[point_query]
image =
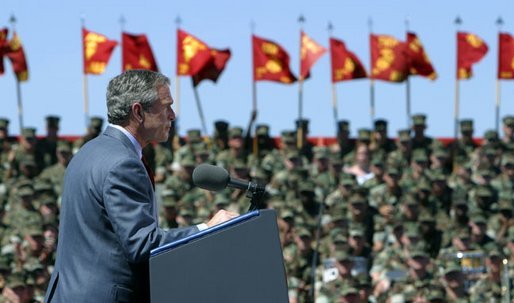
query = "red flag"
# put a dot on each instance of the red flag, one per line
(97, 51)
(137, 53)
(3, 47)
(470, 50)
(214, 67)
(345, 64)
(310, 52)
(418, 59)
(192, 54)
(506, 56)
(270, 62)
(388, 59)
(17, 57)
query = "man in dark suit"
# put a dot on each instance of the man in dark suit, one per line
(109, 220)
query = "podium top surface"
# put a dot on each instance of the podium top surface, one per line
(171, 245)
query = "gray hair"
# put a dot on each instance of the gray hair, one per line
(133, 86)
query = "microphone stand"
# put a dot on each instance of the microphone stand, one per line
(255, 193)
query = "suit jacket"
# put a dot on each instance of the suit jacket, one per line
(108, 225)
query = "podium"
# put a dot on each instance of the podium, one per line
(237, 261)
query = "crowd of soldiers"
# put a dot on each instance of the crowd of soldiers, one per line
(365, 219)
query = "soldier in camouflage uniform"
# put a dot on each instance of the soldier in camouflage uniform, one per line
(25, 150)
(275, 160)
(508, 133)
(344, 144)
(55, 173)
(504, 183)
(93, 130)
(381, 144)
(302, 132)
(194, 137)
(235, 151)
(419, 139)
(46, 147)
(220, 137)
(489, 287)
(462, 149)
(401, 156)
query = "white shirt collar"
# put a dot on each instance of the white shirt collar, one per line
(132, 139)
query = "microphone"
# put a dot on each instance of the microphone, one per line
(215, 178)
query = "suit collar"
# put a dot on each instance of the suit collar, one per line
(119, 135)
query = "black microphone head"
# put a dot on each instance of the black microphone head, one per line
(210, 177)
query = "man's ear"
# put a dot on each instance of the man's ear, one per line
(137, 111)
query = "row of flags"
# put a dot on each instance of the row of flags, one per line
(392, 60)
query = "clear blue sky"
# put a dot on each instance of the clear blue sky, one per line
(50, 31)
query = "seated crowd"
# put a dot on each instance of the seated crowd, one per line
(365, 219)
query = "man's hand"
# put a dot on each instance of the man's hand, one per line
(220, 217)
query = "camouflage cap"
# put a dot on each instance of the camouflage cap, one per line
(491, 135)
(187, 162)
(418, 252)
(478, 219)
(63, 146)
(220, 127)
(185, 212)
(419, 155)
(380, 125)
(485, 191)
(363, 134)
(343, 125)
(221, 199)
(435, 294)
(25, 191)
(235, 132)
(288, 136)
(507, 160)
(347, 290)
(15, 279)
(321, 152)
(96, 122)
(418, 119)
(495, 253)
(452, 267)
(29, 132)
(194, 135)
(304, 232)
(466, 125)
(52, 121)
(347, 179)
(262, 130)
(342, 255)
(440, 153)
(287, 214)
(508, 120)
(404, 135)
(438, 177)
(306, 187)
(169, 198)
(356, 231)
(4, 123)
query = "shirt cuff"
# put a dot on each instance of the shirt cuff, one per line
(202, 226)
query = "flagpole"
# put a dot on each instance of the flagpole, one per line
(407, 85)
(199, 106)
(371, 80)
(334, 90)
(12, 20)
(84, 79)
(457, 22)
(299, 134)
(499, 23)
(20, 104)
(255, 146)
(178, 21)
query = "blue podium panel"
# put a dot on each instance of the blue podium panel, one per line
(237, 261)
